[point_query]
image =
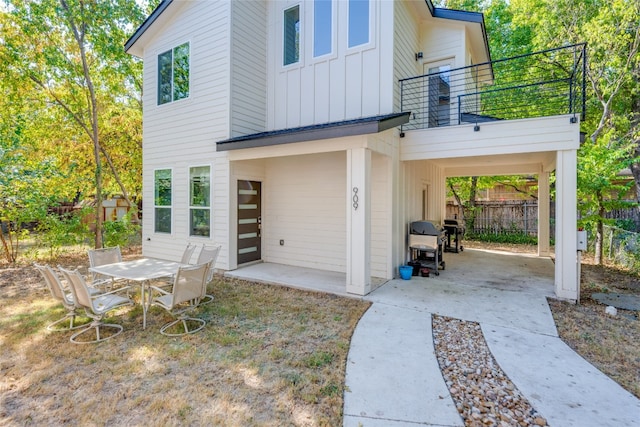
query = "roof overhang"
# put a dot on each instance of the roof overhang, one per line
(474, 22)
(363, 126)
(132, 46)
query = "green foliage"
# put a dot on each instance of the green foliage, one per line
(69, 54)
(122, 232)
(318, 359)
(22, 196)
(55, 232)
(513, 238)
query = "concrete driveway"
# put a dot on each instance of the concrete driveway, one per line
(392, 375)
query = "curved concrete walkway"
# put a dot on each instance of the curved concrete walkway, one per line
(392, 375)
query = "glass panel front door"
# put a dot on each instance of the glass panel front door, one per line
(249, 221)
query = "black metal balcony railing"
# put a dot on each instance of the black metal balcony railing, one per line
(546, 83)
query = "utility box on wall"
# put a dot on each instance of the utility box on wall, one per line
(582, 240)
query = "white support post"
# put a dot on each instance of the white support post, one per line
(544, 249)
(359, 221)
(566, 274)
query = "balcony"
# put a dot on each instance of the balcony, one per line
(540, 84)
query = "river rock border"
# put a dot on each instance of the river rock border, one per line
(482, 393)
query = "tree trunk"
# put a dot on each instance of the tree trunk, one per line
(93, 105)
(599, 230)
(458, 202)
(470, 212)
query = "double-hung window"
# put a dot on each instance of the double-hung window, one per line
(200, 201)
(162, 200)
(173, 74)
(291, 49)
(358, 22)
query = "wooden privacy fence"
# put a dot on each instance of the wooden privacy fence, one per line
(521, 216)
(496, 217)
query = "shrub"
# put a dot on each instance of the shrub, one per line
(121, 233)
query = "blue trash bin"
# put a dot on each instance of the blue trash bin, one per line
(406, 271)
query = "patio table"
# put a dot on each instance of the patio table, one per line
(141, 270)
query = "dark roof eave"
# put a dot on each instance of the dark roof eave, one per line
(146, 24)
(465, 16)
(364, 126)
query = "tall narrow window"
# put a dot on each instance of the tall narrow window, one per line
(358, 22)
(162, 201)
(200, 201)
(291, 35)
(173, 74)
(322, 32)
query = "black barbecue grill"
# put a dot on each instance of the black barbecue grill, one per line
(455, 231)
(426, 241)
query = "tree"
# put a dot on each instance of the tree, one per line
(612, 33)
(71, 51)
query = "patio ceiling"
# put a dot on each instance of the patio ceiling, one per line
(499, 164)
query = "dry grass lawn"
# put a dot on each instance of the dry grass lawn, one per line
(269, 356)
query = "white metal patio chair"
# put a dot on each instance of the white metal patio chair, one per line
(188, 252)
(102, 257)
(186, 259)
(208, 254)
(95, 307)
(60, 293)
(184, 297)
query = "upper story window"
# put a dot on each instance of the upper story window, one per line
(291, 51)
(173, 74)
(200, 201)
(322, 31)
(358, 22)
(162, 201)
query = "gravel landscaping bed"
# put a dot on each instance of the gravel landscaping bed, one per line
(483, 394)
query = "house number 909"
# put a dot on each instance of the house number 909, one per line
(355, 198)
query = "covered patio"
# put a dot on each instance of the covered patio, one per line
(473, 267)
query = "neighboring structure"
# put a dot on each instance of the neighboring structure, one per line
(310, 133)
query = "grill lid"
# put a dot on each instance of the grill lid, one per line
(453, 222)
(425, 228)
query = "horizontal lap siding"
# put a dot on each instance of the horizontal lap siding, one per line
(444, 40)
(380, 215)
(304, 205)
(406, 44)
(248, 67)
(181, 134)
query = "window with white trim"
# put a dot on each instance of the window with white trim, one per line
(200, 201)
(291, 48)
(162, 200)
(173, 74)
(358, 22)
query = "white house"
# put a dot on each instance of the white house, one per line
(312, 132)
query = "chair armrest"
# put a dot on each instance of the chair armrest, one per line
(115, 291)
(162, 291)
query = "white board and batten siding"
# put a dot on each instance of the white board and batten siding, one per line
(181, 134)
(348, 83)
